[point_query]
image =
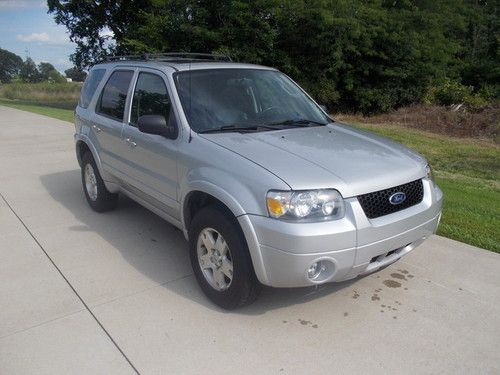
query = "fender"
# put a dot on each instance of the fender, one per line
(107, 178)
(215, 191)
(235, 207)
(239, 197)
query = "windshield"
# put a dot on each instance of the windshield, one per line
(244, 98)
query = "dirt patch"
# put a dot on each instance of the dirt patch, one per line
(437, 119)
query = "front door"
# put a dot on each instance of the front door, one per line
(152, 159)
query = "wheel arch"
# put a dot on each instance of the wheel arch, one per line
(83, 145)
(206, 193)
(203, 194)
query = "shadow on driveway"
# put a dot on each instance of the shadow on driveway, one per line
(124, 227)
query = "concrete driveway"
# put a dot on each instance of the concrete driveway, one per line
(113, 293)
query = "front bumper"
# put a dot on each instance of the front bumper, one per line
(355, 245)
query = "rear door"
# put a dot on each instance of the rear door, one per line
(109, 120)
(152, 159)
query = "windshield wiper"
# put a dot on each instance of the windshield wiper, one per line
(237, 128)
(298, 123)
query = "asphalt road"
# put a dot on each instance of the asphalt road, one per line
(113, 293)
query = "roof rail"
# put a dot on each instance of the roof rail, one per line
(172, 57)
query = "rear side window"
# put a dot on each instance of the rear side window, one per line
(150, 98)
(114, 94)
(89, 87)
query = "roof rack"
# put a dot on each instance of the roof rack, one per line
(172, 57)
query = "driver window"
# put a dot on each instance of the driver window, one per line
(150, 98)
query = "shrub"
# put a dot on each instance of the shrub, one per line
(483, 123)
(62, 94)
(451, 92)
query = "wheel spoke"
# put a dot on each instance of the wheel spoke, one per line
(227, 268)
(208, 239)
(221, 245)
(219, 279)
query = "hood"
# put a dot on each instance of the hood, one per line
(334, 156)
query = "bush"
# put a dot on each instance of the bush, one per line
(452, 92)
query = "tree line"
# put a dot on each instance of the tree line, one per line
(352, 55)
(12, 67)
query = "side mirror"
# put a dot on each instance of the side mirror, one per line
(156, 124)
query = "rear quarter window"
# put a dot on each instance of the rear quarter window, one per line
(89, 86)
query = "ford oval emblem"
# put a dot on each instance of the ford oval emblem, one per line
(397, 198)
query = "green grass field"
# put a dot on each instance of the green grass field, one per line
(467, 170)
(58, 113)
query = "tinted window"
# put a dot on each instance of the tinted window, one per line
(89, 87)
(150, 97)
(114, 94)
(244, 97)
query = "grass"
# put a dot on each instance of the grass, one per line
(467, 170)
(58, 113)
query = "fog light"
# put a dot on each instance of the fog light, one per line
(314, 270)
(320, 270)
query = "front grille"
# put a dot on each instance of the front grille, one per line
(377, 204)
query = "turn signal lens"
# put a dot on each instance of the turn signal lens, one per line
(275, 207)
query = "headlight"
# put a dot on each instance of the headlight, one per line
(429, 174)
(327, 204)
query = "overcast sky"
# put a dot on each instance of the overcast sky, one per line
(27, 30)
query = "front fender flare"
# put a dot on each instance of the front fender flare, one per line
(239, 212)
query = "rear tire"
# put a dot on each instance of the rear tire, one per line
(220, 259)
(98, 197)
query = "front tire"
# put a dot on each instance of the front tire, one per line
(98, 197)
(220, 259)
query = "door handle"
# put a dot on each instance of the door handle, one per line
(96, 128)
(130, 142)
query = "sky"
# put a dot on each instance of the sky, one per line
(27, 30)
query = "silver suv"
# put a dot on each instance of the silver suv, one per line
(267, 188)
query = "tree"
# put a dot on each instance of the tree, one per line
(86, 19)
(10, 65)
(29, 72)
(45, 69)
(352, 55)
(55, 77)
(49, 73)
(76, 75)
